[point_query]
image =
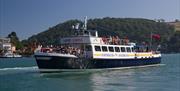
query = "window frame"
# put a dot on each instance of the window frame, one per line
(132, 49)
(96, 47)
(106, 50)
(128, 49)
(123, 48)
(112, 48)
(116, 49)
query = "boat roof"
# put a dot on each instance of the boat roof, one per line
(83, 39)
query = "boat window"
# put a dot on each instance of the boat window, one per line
(132, 49)
(97, 48)
(111, 49)
(117, 49)
(93, 33)
(128, 49)
(88, 48)
(104, 48)
(123, 49)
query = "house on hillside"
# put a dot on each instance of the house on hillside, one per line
(6, 46)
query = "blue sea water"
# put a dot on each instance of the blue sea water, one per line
(22, 74)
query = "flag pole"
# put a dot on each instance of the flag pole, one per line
(151, 41)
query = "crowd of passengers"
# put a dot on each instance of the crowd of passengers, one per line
(78, 51)
(115, 40)
(63, 50)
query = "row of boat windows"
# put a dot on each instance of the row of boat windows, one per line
(113, 49)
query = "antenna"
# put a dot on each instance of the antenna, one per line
(85, 23)
(77, 26)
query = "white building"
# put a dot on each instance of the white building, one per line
(5, 45)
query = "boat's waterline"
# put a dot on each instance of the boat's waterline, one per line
(95, 70)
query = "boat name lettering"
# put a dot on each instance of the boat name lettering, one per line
(122, 55)
(73, 40)
(107, 55)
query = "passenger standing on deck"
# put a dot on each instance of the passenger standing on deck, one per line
(78, 51)
(105, 40)
(126, 40)
(110, 40)
(113, 40)
(117, 40)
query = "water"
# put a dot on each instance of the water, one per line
(21, 74)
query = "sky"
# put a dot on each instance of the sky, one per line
(29, 17)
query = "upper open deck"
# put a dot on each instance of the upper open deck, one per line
(91, 37)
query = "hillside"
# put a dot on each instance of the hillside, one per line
(136, 29)
(176, 24)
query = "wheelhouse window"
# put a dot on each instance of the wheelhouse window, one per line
(88, 48)
(123, 49)
(97, 48)
(132, 49)
(104, 48)
(128, 49)
(111, 49)
(117, 49)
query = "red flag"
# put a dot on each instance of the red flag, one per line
(156, 36)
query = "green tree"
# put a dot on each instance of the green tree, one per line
(15, 40)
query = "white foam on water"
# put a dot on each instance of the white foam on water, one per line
(95, 70)
(19, 68)
(70, 70)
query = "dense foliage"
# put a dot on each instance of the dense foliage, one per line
(136, 29)
(15, 40)
(173, 44)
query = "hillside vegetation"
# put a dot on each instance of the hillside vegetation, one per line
(176, 24)
(136, 29)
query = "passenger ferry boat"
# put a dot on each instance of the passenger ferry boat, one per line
(86, 50)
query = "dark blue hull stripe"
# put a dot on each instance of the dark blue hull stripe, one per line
(71, 63)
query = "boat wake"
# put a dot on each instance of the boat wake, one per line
(35, 69)
(19, 68)
(95, 70)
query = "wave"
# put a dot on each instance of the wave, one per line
(73, 70)
(19, 68)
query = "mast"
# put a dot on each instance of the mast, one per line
(85, 24)
(84, 29)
